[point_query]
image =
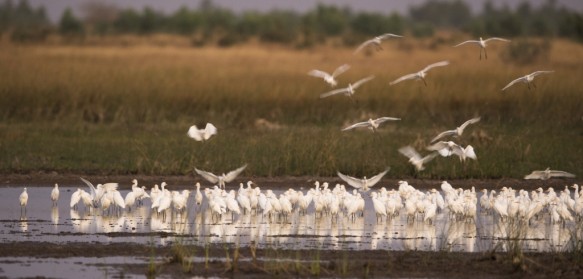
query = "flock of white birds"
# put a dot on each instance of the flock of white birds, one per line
(509, 204)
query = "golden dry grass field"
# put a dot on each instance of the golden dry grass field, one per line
(125, 109)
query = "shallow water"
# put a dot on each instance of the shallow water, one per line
(61, 224)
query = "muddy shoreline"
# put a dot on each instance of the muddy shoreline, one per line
(246, 262)
(44, 179)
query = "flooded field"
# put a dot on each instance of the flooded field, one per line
(196, 225)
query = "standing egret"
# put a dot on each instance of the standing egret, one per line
(329, 78)
(483, 43)
(55, 195)
(75, 198)
(421, 74)
(23, 199)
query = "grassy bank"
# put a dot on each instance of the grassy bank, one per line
(126, 110)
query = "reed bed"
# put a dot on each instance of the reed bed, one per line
(125, 110)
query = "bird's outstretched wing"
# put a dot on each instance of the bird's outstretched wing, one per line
(194, 133)
(444, 134)
(534, 175)
(438, 64)
(318, 74)
(405, 77)
(375, 179)
(385, 119)
(541, 72)
(91, 187)
(352, 181)
(557, 173)
(466, 42)
(496, 39)
(341, 70)
(333, 92)
(361, 81)
(357, 125)
(209, 130)
(410, 152)
(429, 157)
(471, 121)
(363, 45)
(233, 174)
(513, 82)
(210, 177)
(389, 35)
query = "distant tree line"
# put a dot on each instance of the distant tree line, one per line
(212, 24)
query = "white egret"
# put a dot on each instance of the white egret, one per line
(415, 158)
(75, 198)
(202, 134)
(221, 179)
(23, 199)
(376, 41)
(363, 184)
(483, 43)
(421, 74)
(444, 148)
(330, 78)
(528, 79)
(457, 131)
(372, 124)
(349, 90)
(55, 195)
(548, 173)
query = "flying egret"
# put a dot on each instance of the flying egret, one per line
(483, 44)
(220, 179)
(457, 131)
(421, 74)
(415, 158)
(330, 78)
(465, 152)
(202, 134)
(528, 79)
(348, 91)
(55, 195)
(548, 173)
(372, 124)
(376, 41)
(444, 148)
(363, 184)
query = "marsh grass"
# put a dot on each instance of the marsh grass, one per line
(122, 110)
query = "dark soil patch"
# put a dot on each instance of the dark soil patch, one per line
(246, 262)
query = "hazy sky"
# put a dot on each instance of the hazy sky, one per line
(55, 7)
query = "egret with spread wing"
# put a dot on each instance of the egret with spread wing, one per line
(548, 173)
(372, 124)
(220, 179)
(457, 131)
(202, 134)
(348, 91)
(528, 79)
(421, 74)
(376, 41)
(415, 158)
(330, 78)
(363, 184)
(482, 44)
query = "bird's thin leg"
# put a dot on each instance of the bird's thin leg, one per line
(485, 53)
(424, 81)
(533, 84)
